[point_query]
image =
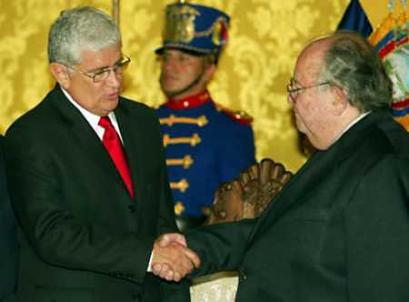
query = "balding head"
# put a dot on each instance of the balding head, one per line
(352, 64)
(337, 78)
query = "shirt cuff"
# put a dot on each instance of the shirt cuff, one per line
(149, 269)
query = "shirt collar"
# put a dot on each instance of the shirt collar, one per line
(353, 122)
(90, 117)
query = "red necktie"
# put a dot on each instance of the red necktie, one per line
(113, 145)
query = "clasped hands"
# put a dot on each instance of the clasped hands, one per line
(171, 259)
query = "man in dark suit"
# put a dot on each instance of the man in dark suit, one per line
(8, 240)
(88, 178)
(339, 230)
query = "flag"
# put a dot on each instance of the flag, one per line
(391, 40)
(355, 19)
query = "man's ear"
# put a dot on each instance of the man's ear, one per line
(60, 73)
(340, 100)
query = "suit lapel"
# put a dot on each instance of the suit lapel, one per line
(83, 136)
(131, 131)
(304, 182)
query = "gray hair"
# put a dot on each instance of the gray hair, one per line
(78, 29)
(352, 64)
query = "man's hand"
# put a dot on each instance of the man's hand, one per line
(171, 259)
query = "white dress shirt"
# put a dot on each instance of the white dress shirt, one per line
(93, 119)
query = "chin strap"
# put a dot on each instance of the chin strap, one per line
(172, 95)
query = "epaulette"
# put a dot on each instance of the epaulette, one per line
(239, 116)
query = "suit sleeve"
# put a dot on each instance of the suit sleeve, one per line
(377, 231)
(221, 247)
(8, 240)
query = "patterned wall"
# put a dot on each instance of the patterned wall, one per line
(265, 37)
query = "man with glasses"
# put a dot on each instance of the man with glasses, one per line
(88, 178)
(205, 144)
(339, 230)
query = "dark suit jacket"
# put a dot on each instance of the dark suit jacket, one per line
(339, 231)
(84, 238)
(8, 239)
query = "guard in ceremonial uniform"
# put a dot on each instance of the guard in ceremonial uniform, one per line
(205, 144)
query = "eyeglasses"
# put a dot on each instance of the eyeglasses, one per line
(294, 91)
(103, 73)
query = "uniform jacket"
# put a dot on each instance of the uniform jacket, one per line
(8, 239)
(84, 238)
(339, 230)
(209, 146)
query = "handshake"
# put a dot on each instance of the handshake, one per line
(171, 259)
